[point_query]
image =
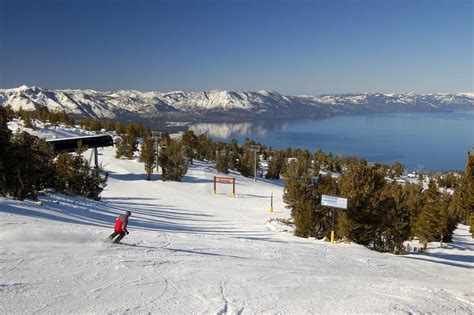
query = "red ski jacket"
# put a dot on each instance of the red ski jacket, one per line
(121, 224)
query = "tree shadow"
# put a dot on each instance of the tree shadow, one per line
(181, 250)
(189, 251)
(460, 245)
(21, 210)
(252, 196)
(130, 176)
(196, 180)
(79, 210)
(275, 182)
(459, 260)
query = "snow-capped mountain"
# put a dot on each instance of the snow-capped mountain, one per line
(222, 104)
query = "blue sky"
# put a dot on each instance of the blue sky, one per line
(294, 47)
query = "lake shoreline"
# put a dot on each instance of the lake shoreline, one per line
(409, 137)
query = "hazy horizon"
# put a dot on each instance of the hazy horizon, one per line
(235, 90)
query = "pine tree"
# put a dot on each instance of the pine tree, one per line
(109, 125)
(42, 114)
(120, 148)
(28, 122)
(32, 169)
(234, 154)
(189, 141)
(204, 149)
(303, 197)
(222, 162)
(275, 165)
(361, 222)
(427, 224)
(54, 118)
(320, 162)
(413, 204)
(120, 128)
(304, 162)
(126, 145)
(246, 163)
(397, 169)
(173, 162)
(148, 154)
(395, 222)
(447, 219)
(130, 145)
(5, 148)
(75, 177)
(136, 129)
(468, 195)
(298, 196)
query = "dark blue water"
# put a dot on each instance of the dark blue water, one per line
(436, 141)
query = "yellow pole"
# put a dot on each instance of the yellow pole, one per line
(332, 237)
(271, 203)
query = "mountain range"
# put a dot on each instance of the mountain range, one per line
(222, 105)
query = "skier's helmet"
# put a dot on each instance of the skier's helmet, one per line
(128, 213)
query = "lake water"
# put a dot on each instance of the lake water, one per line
(435, 141)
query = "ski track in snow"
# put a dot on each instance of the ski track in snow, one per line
(190, 252)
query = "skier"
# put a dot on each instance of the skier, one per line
(120, 227)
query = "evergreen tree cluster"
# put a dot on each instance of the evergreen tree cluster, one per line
(381, 214)
(75, 177)
(28, 165)
(41, 114)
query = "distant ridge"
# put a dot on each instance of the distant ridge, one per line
(222, 104)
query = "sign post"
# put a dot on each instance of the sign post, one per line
(255, 148)
(333, 202)
(224, 180)
(157, 135)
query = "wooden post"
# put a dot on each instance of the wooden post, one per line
(233, 187)
(214, 191)
(96, 158)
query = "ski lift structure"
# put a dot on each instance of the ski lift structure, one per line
(72, 144)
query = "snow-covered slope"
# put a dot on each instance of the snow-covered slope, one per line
(191, 252)
(244, 104)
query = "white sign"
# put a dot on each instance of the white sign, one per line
(335, 202)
